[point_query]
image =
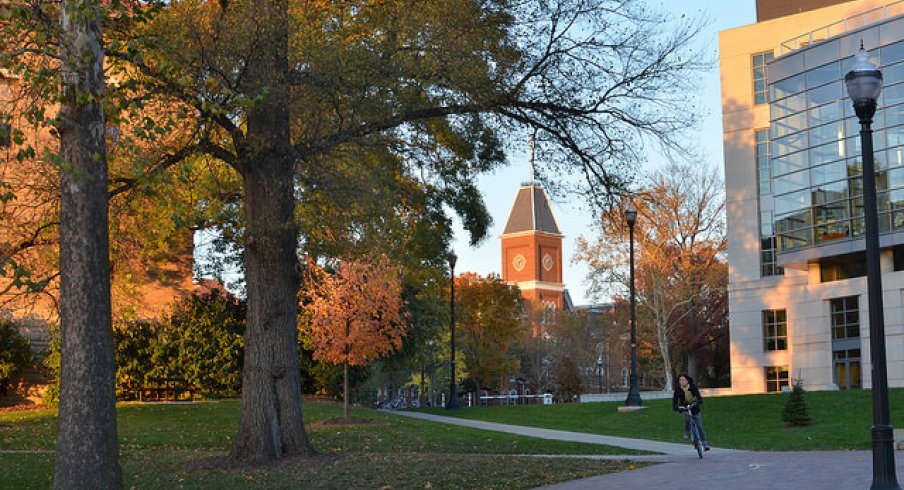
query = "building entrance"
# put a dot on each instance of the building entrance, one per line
(847, 369)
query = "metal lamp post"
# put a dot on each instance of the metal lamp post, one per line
(864, 83)
(599, 371)
(633, 399)
(453, 385)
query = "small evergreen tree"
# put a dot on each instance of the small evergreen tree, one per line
(15, 354)
(796, 413)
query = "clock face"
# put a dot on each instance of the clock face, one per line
(518, 262)
(547, 262)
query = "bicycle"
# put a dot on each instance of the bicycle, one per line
(696, 438)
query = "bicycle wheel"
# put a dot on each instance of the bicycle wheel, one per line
(698, 445)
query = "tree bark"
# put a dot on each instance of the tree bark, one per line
(87, 450)
(692, 349)
(663, 338)
(345, 389)
(270, 424)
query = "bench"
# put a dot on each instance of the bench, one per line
(166, 390)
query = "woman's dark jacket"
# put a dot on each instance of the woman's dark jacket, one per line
(678, 398)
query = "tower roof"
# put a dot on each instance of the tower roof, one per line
(531, 212)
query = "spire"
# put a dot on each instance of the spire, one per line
(531, 212)
(533, 172)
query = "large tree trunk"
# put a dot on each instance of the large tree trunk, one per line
(87, 450)
(270, 425)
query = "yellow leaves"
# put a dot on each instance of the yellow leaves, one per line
(355, 314)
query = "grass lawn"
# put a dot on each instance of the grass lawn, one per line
(840, 420)
(177, 446)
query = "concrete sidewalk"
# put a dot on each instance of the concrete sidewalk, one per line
(667, 448)
(810, 470)
(720, 468)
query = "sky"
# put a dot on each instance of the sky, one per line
(499, 189)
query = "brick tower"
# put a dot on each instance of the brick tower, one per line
(532, 249)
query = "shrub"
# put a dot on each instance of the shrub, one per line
(134, 343)
(202, 341)
(15, 354)
(51, 367)
(796, 413)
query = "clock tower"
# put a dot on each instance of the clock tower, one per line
(532, 249)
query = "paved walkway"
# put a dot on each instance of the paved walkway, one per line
(720, 468)
(561, 435)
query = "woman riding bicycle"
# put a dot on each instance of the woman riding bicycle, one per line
(687, 397)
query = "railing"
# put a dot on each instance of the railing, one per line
(854, 22)
(502, 400)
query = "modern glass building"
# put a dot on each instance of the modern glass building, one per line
(814, 155)
(797, 286)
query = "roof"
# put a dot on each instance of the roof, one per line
(531, 212)
(772, 9)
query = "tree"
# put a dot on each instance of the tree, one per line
(87, 448)
(680, 237)
(440, 84)
(488, 320)
(568, 380)
(355, 315)
(795, 412)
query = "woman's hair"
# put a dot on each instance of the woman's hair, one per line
(690, 380)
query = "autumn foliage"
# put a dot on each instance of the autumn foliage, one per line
(354, 315)
(489, 319)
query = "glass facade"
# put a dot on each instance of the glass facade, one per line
(815, 141)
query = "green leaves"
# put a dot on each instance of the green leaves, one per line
(15, 354)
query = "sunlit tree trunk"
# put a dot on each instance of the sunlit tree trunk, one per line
(270, 424)
(87, 450)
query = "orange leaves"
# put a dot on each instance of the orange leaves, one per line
(355, 314)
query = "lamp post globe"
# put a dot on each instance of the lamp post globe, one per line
(864, 84)
(599, 371)
(453, 384)
(633, 399)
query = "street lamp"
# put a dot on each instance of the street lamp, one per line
(431, 345)
(633, 399)
(453, 389)
(864, 83)
(599, 371)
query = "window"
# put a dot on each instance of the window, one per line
(845, 313)
(775, 330)
(776, 378)
(843, 267)
(763, 166)
(759, 76)
(768, 265)
(846, 374)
